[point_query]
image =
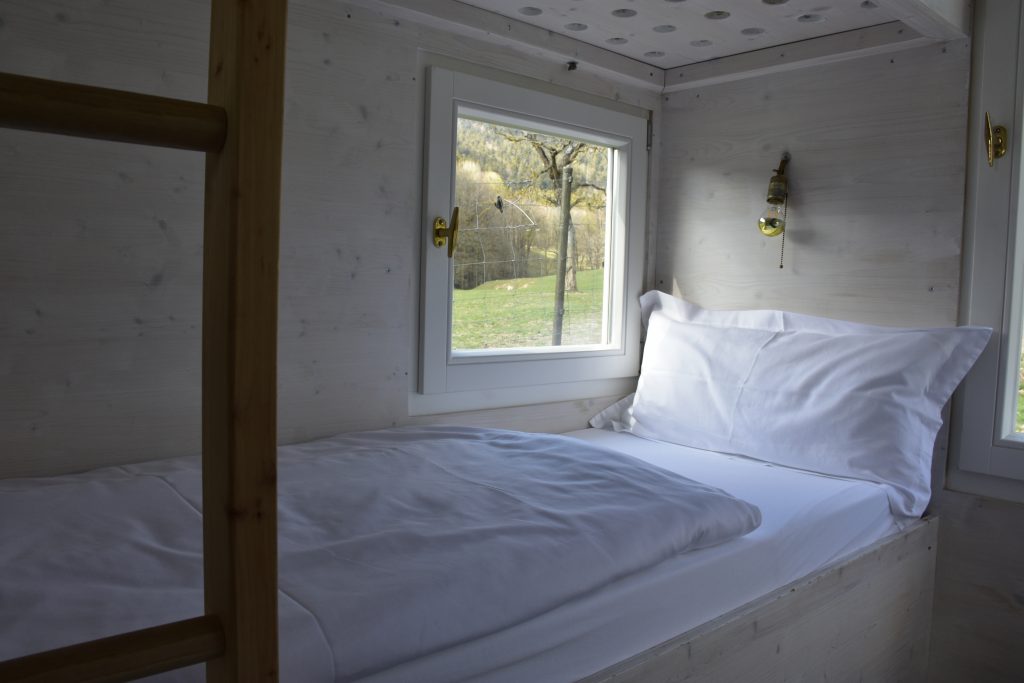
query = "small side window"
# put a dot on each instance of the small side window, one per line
(987, 434)
(543, 282)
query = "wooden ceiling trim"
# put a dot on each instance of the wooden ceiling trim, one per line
(889, 37)
(939, 19)
(476, 19)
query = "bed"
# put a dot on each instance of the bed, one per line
(758, 499)
(861, 612)
(129, 553)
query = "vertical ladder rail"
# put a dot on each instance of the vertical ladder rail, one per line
(243, 180)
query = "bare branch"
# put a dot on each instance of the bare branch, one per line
(572, 152)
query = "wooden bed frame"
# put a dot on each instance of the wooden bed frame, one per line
(865, 618)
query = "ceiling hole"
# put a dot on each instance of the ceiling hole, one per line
(752, 31)
(867, 4)
(531, 11)
(717, 14)
(623, 13)
(810, 18)
(655, 54)
(576, 26)
(700, 43)
(775, 2)
(675, 0)
(616, 41)
(664, 28)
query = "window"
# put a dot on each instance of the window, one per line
(541, 290)
(508, 266)
(988, 443)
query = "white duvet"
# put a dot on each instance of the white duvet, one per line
(394, 545)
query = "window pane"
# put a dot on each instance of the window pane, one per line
(1013, 382)
(508, 187)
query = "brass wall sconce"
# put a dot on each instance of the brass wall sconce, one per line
(773, 219)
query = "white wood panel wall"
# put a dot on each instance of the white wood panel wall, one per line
(978, 620)
(875, 225)
(100, 243)
(876, 189)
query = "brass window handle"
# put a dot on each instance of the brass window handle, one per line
(995, 140)
(447, 231)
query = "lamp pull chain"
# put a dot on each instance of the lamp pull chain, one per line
(782, 249)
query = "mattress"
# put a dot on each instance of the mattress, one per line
(809, 521)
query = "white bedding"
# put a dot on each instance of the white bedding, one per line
(463, 539)
(808, 521)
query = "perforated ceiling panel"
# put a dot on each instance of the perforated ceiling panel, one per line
(671, 33)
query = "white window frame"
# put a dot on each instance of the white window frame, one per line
(987, 457)
(466, 380)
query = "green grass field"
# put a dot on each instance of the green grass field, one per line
(519, 313)
(1020, 409)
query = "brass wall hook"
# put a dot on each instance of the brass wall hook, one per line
(995, 141)
(447, 232)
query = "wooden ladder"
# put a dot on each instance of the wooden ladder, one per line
(240, 129)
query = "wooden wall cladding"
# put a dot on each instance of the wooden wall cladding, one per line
(864, 618)
(875, 227)
(100, 243)
(101, 248)
(876, 189)
(978, 622)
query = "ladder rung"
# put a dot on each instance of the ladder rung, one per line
(85, 111)
(122, 657)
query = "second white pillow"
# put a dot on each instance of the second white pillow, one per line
(833, 397)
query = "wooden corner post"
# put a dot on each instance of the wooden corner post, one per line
(240, 258)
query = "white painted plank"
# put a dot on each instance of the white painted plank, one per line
(940, 19)
(672, 34)
(555, 417)
(865, 618)
(876, 189)
(100, 243)
(884, 38)
(977, 627)
(454, 14)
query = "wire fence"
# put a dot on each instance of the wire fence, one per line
(505, 267)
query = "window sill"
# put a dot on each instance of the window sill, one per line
(985, 486)
(455, 402)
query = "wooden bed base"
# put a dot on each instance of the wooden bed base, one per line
(863, 619)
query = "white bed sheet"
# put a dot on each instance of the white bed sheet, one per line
(808, 522)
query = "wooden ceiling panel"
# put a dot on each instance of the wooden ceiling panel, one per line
(673, 33)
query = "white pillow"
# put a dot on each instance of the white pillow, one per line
(830, 396)
(684, 311)
(616, 416)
